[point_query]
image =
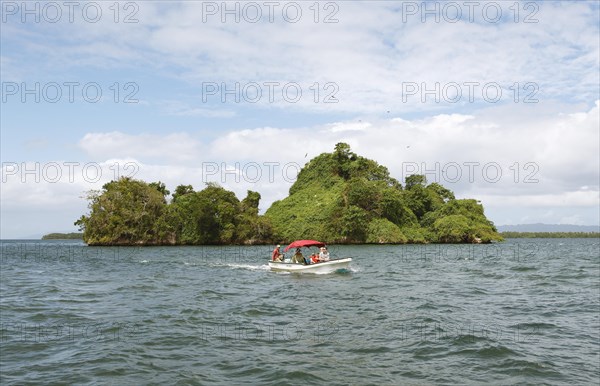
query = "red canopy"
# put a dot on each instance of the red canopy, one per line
(304, 243)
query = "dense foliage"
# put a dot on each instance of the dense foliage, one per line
(131, 212)
(345, 198)
(338, 197)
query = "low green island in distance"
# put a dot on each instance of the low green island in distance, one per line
(338, 197)
(63, 236)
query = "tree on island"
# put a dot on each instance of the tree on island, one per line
(132, 212)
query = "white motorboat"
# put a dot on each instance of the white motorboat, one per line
(320, 268)
(308, 265)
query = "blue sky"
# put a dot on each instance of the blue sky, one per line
(163, 108)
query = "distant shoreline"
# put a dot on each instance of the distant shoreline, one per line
(550, 235)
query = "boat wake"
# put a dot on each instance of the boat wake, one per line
(264, 267)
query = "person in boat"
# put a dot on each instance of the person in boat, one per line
(298, 257)
(324, 254)
(314, 258)
(277, 256)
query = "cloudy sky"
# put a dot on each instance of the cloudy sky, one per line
(497, 101)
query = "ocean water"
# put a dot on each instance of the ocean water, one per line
(518, 312)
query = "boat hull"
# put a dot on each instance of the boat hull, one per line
(320, 268)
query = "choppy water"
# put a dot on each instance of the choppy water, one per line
(525, 311)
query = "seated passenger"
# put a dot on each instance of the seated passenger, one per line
(324, 255)
(298, 258)
(314, 258)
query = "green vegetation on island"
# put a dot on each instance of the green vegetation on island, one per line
(345, 198)
(63, 236)
(338, 197)
(132, 212)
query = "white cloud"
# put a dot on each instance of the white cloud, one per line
(177, 147)
(178, 108)
(370, 53)
(349, 126)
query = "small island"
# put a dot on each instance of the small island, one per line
(339, 197)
